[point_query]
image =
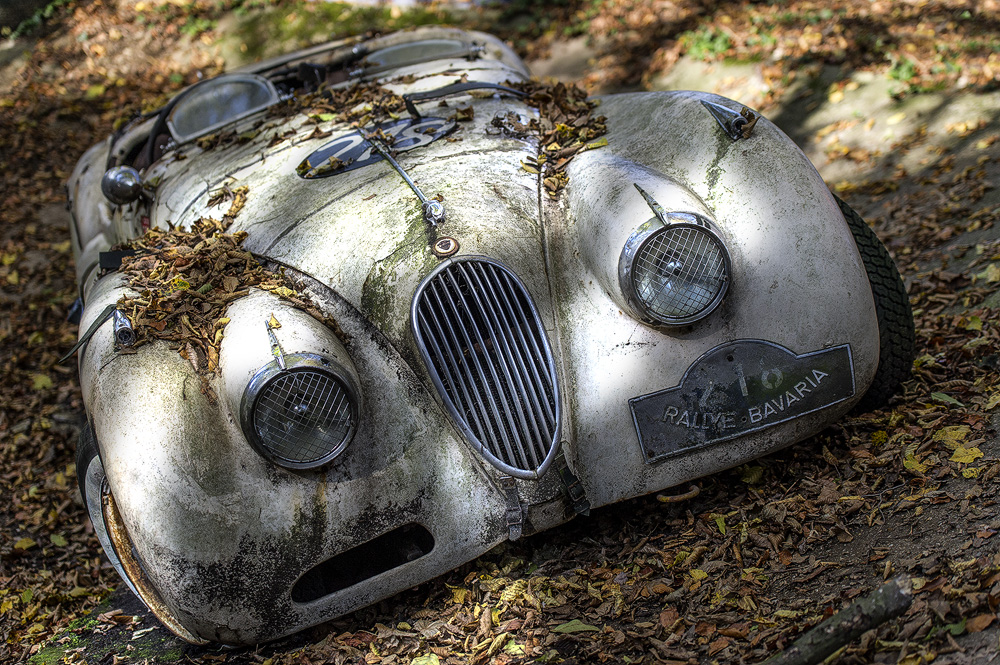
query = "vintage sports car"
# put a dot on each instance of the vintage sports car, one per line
(356, 315)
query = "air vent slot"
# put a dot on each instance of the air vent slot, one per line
(487, 353)
(390, 550)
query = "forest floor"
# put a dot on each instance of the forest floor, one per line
(896, 103)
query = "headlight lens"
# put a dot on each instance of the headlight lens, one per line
(675, 273)
(302, 416)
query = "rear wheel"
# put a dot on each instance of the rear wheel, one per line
(896, 333)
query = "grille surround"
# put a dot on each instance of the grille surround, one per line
(675, 243)
(487, 354)
(281, 408)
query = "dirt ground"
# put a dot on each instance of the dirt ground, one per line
(766, 550)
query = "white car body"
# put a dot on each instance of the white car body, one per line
(234, 548)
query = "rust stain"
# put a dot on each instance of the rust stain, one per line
(144, 588)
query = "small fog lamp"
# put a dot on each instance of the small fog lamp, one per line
(121, 185)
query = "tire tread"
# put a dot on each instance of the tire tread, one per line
(897, 335)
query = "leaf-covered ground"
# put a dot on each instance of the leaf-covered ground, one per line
(766, 550)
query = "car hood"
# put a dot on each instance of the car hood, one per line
(362, 232)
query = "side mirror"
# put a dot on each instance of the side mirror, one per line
(121, 185)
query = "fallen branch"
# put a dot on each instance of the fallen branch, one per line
(864, 614)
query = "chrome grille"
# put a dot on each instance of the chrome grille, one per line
(488, 356)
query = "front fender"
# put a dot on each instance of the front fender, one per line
(797, 282)
(224, 535)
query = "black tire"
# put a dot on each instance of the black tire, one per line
(90, 490)
(897, 337)
(86, 451)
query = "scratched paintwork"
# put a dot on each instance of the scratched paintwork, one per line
(224, 534)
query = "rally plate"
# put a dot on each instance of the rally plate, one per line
(736, 388)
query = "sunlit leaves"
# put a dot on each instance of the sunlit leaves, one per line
(41, 382)
(567, 126)
(429, 659)
(574, 626)
(964, 455)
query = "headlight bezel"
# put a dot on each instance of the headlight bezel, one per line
(271, 372)
(646, 233)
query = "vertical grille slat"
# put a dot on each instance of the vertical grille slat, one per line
(536, 344)
(471, 373)
(491, 380)
(488, 355)
(458, 385)
(512, 402)
(525, 386)
(530, 359)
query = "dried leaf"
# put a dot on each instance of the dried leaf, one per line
(946, 399)
(979, 623)
(720, 522)
(991, 274)
(966, 455)
(787, 614)
(459, 595)
(669, 617)
(952, 436)
(751, 475)
(429, 659)
(911, 463)
(574, 626)
(41, 382)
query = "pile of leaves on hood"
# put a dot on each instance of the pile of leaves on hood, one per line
(566, 126)
(361, 103)
(184, 280)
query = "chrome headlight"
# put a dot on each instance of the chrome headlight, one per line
(674, 273)
(301, 416)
